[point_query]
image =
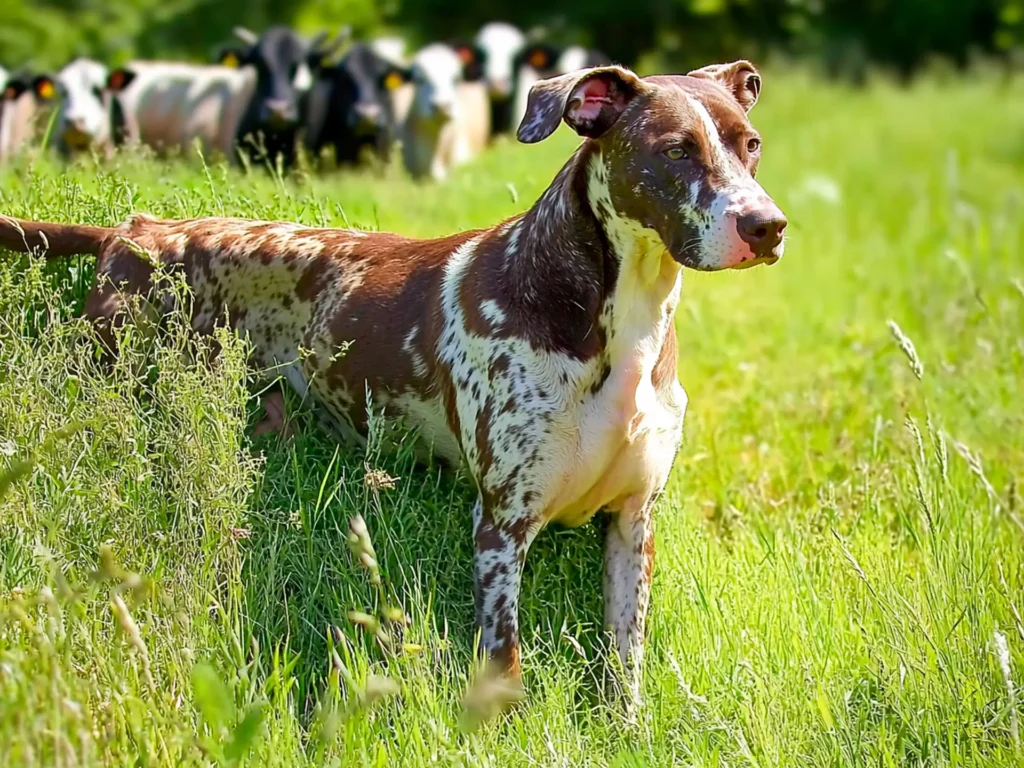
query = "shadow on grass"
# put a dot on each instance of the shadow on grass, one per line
(300, 578)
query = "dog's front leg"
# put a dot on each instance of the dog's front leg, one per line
(628, 568)
(501, 541)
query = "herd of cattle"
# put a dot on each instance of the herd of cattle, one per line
(274, 93)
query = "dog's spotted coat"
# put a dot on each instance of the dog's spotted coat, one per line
(541, 353)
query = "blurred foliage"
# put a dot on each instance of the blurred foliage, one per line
(846, 34)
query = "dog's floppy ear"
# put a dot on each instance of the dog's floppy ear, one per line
(589, 100)
(740, 78)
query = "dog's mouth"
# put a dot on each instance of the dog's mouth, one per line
(755, 261)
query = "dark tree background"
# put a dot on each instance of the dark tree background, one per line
(846, 34)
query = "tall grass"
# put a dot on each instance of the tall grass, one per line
(839, 576)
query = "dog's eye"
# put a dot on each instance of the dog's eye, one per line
(753, 145)
(677, 153)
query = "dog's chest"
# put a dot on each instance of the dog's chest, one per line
(625, 437)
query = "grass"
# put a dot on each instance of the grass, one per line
(840, 571)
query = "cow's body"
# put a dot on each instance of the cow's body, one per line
(170, 105)
(541, 352)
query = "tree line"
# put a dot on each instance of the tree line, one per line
(848, 35)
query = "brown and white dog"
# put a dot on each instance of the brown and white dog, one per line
(541, 353)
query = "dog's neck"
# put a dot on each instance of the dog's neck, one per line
(593, 270)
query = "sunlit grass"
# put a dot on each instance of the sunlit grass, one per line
(839, 549)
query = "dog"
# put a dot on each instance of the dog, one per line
(539, 353)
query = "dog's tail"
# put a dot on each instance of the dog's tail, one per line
(51, 240)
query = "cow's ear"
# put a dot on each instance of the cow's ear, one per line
(44, 87)
(740, 78)
(589, 100)
(231, 56)
(473, 58)
(540, 57)
(120, 79)
(14, 89)
(395, 77)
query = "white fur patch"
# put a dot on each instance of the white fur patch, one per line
(495, 315)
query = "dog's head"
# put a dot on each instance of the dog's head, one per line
(676, 156)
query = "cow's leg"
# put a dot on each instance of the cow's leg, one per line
(628, 568)
(501, 542)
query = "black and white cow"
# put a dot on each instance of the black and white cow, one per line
(83, 115)
(351, 106)
(493, 52)
(284, 65)
(510, 64)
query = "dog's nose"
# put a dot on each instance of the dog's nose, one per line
(762, 229)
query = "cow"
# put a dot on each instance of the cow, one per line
(352, 106)
(83, 120)
(251, 106)
(24, 106)
(284, 65)
(493, 52)
(448, 121)
(169, 106)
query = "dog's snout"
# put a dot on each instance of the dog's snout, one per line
(762, 229)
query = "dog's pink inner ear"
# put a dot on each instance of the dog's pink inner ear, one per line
(591, 97)
(596, 104)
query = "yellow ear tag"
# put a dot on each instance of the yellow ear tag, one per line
(230, 60)
(393, 81)
(45, 90)
(538, 60)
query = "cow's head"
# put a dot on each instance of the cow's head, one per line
(363, 83)
(436, 73)
(671, 159)
(83, 119)
(284, 63)
(499, 43)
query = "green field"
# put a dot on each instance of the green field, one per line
(840, 549)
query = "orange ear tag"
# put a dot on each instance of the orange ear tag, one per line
(45, 90)
(538, 60)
